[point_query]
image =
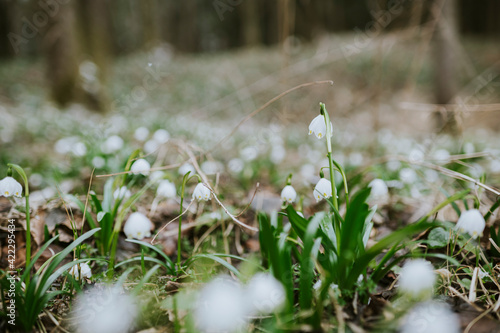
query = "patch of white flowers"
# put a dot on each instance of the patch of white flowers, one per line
(471, 222)
(10, 187)
(137, 226)
(84, 269)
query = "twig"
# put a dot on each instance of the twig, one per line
(184, 212)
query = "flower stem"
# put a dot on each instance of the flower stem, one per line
(329, 149)
(183, 186)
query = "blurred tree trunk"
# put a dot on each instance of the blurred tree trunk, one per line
(187, 29)
(62, 54)
(150, 30)
(445, 62)
(251, 23)
(6, 15)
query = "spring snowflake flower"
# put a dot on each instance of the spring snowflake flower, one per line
(379, 188)
(201, 192)
(84, 269)
(288, 194)
(264, 294)
(10, 187)
(166, 189)
(137, 226)
(431, 317)
(417, 278)
(221, 307)
(471, 222)
(104, 310)
(112, 144)
(141, 166)
(122, 193)
(185, 168)
(323, 189)
(318, 127)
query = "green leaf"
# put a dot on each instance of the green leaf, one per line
(438, 238)
(217, 259)
(168, 262)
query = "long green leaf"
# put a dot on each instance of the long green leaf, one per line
(217, 259)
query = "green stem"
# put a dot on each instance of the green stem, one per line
(184, 181)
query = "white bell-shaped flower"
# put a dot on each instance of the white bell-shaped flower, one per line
(122, 193)
(166, 189)
(471, 222)
(318, 127)
(84, 269)
(221, 307)
(288, 194)
(323, 189)
(201, 192)
(264, 294)
(137, 226)
(141, 166)
(10, 187)
(417, 278)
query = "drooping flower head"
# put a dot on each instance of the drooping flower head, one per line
(431, 317)
(166, 189)
(288, 194)
(122, 193)
(318, 127)
(417, 278)
(84, 269)
(137, 226)
(201, 192)
(323, 189)
(471, 222)
(379, 188)
(141, 166)
(10, 187)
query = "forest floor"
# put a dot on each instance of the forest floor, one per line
(198, 111)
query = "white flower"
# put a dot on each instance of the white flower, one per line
(104, 310)
(288, 194)
(98, 162)
(141, 133)
(137, 226)
(185, 168)
(471, 222)
(221, 307)
(323, 189)
(318, 127)
(10, 187)
(417, 278)
(442, 155)
(141, 166)
(431, 317)
(156, 175)
(236, 165)
(112, 144)
(84, 269)
(122, 193)
(201, 192)
(161, 136)
(264, 294)
(151, 146)
(408, 175)
(166, 189)
(379, 188)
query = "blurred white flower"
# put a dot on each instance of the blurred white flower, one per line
(278, 153)
(185, 168)
(156, 175)
(98, 162)
(141, 166)
(166, 189)
(212, 167)
(323, 189)
(10, 187)
(417, 278)
(112, 144)
(441, 155)
(469, 148)
(495, 166)
(221, 307)
(264, 294)
(236, 165)
(201, 192)
(35, 179)
(161, 136)
(416, 155)
(471, 222)
(79, 149)
(379, 189)
(141, 133)
(137, 226)
(356, 159)
(393, 165)
(249, 153)
(122, 193)
(104, 310)
(151, 146)
(431, 176)
(408, 175)
(431, 317)
(318, 127)
(288, 194)
(84, 269)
